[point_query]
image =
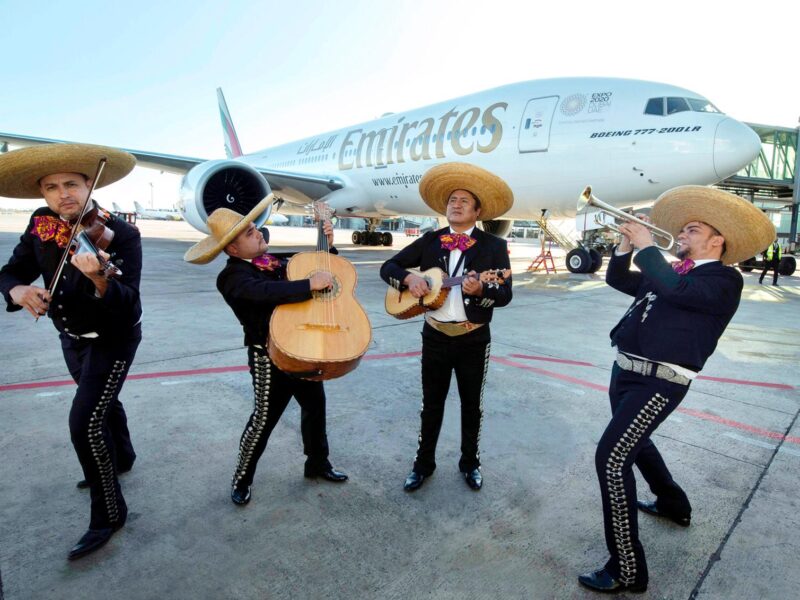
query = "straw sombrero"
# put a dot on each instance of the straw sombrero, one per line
(21, 170)
(440, 181)
(224, 224)
(747, 230)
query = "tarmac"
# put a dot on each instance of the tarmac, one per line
(733, 444)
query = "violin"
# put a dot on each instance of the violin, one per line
(93, 235)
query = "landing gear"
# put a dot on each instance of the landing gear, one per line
(581, 260)
(372, 238)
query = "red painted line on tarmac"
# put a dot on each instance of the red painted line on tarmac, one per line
(188, 372)
(567, 378)
(555, 360)
(777, 386)
(775, 435)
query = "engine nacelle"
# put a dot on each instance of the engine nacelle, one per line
(222, 184)
(499, 227)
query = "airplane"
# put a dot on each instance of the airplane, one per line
(156, 213)
(630, 139)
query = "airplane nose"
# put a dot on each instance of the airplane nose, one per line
(735, 146)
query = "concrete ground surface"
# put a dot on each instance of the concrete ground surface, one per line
(733, 444)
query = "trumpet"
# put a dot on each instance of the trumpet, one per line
(587, 199)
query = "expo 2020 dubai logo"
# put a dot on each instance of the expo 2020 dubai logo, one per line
(573, 104)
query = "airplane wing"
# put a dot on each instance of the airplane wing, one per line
(170, 163)
(296, 188)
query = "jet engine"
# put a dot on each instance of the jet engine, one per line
(222, 184)
(499, 227)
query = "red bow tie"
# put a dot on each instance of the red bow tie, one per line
(48, 228)
(682, 267)
(459, 241)
(266, 262)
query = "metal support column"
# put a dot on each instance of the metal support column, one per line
(795, 193)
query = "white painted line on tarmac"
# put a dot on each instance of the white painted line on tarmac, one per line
(46, 394)
(761, 443)
(178, 381)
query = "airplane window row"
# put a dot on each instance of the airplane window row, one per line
(671, 105)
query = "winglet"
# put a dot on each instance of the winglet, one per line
(232, 147)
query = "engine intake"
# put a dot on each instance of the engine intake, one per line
(222, 184)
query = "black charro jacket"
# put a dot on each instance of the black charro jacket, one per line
(253, 294)
(75, 309)
(675, 318)
(488, 252)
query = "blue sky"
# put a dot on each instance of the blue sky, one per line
(143, 75)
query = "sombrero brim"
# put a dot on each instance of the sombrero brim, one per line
(208, 248)
(747, 230)
(21, 170)
(439, 182)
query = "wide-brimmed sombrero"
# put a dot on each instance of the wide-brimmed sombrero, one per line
(224, 224)
(747, 230)
(21, 170)
(439, 182)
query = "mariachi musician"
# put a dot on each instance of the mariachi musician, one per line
(253, 283)
(663, 340)
(97, 316)
(456, 336)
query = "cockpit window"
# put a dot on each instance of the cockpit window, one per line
(699, 105)
(655, 106)
(677, 105)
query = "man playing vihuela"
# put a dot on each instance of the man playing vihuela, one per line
(663, 340)
(456, 336)
(254, 283)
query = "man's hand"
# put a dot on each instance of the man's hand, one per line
(472, 286)
(417, 285)
(635, 234)
(88, 264)
(327, 228)
(34, 299)
(321, 281)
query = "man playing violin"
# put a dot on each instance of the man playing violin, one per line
(253, 283)
(456, 336)
(97, 318)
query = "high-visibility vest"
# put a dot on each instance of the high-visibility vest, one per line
(771, 250)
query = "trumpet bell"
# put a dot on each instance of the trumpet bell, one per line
(604, 210)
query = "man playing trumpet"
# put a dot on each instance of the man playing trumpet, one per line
(663, 340)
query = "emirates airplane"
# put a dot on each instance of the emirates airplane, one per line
(630, 140)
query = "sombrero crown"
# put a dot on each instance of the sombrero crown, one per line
(439, 182)
(21, 170)
(747, 230)
(225, 225)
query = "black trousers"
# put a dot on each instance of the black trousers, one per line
(773, 264)
(272, 391)
(639, 405)
(468, 356)
(97, 422)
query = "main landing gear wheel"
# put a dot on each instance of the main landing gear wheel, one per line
(357, 237)
(386, 238)
(787, 265)
(597, 261)
(578, 261)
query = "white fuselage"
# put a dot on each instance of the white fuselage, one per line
(548, 139)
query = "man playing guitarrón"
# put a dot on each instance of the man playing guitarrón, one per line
(456, 336)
